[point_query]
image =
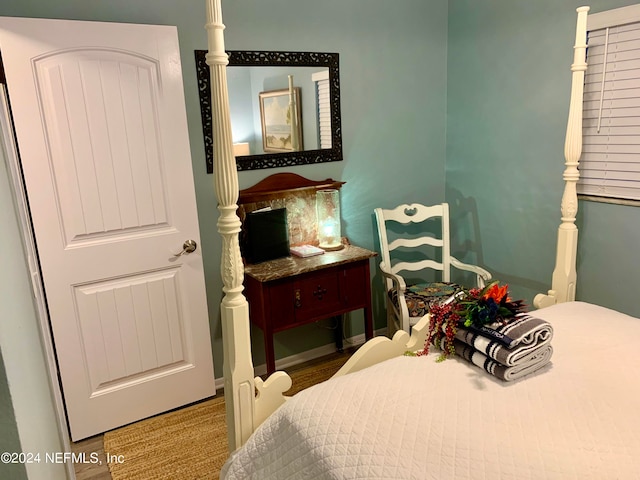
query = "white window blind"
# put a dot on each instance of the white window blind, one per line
(610, 162)
(324, 108)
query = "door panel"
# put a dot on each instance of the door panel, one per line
(99, 108)
(99, 115)
(135, 325)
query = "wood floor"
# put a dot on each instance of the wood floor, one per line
(95, 445)
(86, 471)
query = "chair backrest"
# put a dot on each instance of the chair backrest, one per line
(414, 214)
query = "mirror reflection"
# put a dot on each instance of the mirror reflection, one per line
(284, 107)
(276, 109)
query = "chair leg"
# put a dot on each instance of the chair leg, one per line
(392, 327)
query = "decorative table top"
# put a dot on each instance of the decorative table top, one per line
(290, 266)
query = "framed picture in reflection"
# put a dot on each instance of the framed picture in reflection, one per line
(281, 120)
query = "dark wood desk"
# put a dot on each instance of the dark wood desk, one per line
(288, 292)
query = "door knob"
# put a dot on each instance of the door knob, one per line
(187, 247)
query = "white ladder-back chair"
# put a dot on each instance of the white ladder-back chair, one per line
(407, 304)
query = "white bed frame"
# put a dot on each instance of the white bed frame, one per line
(249, 400)
(563, 283)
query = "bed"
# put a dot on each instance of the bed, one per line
(413, 418)
(388, 416)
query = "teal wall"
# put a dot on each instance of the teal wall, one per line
(507, 104)
(393, 133)
(9, 440)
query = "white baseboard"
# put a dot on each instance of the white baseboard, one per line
(307, 356)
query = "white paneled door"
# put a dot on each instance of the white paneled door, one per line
(99, 115)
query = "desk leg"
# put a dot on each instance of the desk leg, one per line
(368, 324)
(338, 333)
(368, 318)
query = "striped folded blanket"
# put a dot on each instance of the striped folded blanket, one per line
(535, 362)
(511, 344)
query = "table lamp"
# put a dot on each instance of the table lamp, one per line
(328, 213)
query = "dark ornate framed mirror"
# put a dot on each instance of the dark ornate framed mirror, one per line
(257, 75)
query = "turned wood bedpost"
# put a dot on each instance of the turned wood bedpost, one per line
(563, 283)
(237, 365)
(249, 401)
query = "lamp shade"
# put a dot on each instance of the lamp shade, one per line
(328, 213)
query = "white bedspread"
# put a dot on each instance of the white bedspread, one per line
(410, 418)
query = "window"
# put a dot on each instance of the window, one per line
(324, 109)
(610, 162)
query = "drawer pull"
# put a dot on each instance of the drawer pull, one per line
(298, 300)
(319, 292)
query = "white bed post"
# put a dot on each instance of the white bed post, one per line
(237, 366)
(248, 400)
(563, 283)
